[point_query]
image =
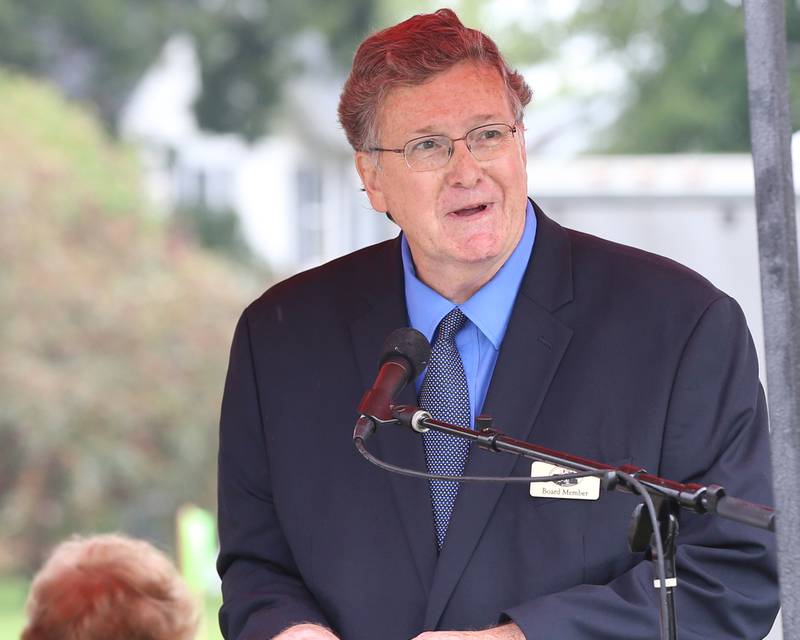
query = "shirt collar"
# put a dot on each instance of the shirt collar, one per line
(489, 308)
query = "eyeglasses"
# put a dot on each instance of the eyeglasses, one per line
(427, 153)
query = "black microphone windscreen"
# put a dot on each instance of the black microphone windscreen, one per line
(409, 343)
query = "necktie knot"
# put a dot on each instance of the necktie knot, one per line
(451, 324)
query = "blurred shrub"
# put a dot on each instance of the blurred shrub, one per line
(115, 336)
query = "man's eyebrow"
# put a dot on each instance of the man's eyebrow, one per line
(424, 131)
(486, 118)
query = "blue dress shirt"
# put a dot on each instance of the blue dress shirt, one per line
(488, 312)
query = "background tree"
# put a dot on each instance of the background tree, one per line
(115, 336)
(686, 64)
(93, 50)
(96, 50)
(684, 58)
(246, 54)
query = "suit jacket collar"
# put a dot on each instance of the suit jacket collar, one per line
(516, 393)
(548, 280)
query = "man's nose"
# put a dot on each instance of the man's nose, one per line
(463, 170)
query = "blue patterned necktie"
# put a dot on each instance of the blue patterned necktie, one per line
(445, 395)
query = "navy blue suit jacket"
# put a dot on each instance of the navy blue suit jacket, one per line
(611, 353)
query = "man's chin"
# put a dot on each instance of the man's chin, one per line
(482, 248)
(475, 258)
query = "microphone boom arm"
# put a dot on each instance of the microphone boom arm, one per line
(693, 497)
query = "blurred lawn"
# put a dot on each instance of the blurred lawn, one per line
(209, 627)
(12, 615)
(12, 602)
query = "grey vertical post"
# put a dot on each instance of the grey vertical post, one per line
(765, 35)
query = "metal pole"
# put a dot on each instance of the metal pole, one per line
(765, 37)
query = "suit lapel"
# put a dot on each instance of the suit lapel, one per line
(532, 349)
(385, 310)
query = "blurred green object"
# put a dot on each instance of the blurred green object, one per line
(197, 548)
(13, 592)
(209, 627)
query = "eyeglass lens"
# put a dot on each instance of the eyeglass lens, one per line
(432, 152)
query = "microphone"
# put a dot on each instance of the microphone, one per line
(404, 356)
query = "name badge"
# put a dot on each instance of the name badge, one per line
(566, 489)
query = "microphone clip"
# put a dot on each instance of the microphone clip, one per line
(411, 416)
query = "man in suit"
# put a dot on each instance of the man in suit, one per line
(567, 340)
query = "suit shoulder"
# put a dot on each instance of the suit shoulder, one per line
(333, 285)
(619, 267)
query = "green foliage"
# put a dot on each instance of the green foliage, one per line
(685, 59)
(220, 231)
(71, 151)
(689, 89)
(96, 50)
(245, 53)
(115, 337)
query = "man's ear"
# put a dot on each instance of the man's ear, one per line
(371, 175)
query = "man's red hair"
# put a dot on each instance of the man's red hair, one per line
(411, 53)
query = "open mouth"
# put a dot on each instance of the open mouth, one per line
(470, 211)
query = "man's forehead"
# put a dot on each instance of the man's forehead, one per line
(466, 95)
(471, 122)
